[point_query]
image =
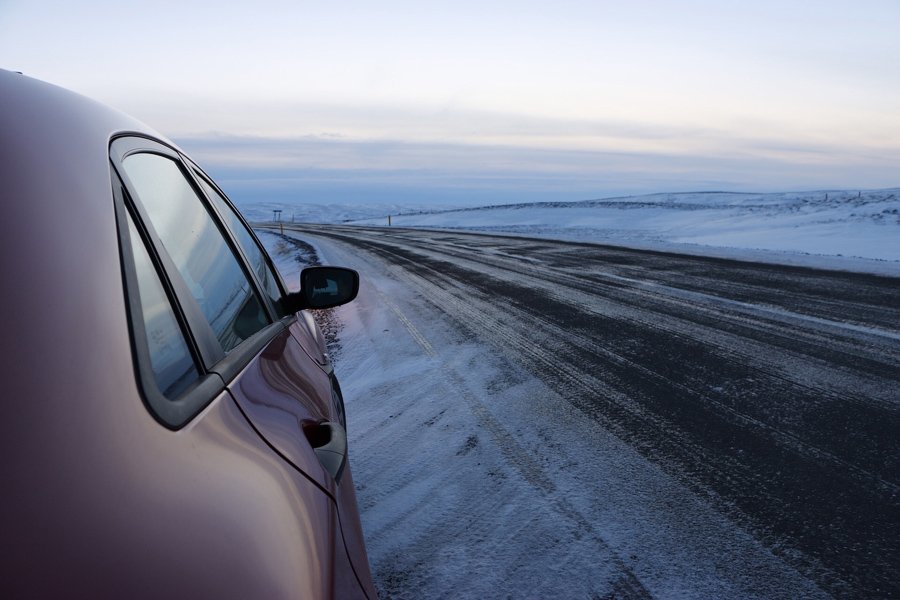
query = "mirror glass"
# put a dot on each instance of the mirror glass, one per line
(324, 287)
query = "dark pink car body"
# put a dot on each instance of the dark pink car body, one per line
(101, 496)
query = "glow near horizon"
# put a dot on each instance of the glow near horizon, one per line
(807, 83)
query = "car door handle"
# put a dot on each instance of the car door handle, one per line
(329, 441)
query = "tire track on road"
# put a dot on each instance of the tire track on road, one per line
(627, 586)
(857, 548)
(803, 392)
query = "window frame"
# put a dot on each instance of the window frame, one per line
(174, 413)
(200, 174)
(216, 369)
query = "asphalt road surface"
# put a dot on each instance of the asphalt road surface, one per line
(771, 391)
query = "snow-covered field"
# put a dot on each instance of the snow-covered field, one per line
(847, 230)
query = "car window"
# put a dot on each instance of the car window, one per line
(251, 249)
(195, 244)
(170, 359)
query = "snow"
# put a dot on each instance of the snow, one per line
(473, 484)
(845, 230)
(313, 212)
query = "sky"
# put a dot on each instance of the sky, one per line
(489, 102)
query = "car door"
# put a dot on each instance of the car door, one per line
(287, 394)
(290, 392)
(234, 304)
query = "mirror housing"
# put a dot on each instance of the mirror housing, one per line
(324, 287)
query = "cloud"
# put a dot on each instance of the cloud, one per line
(335, 169)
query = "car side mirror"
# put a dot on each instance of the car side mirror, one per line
(325, 287)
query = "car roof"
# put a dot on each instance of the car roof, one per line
(54, 139)
(65, 326)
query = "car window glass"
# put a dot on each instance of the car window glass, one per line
(198, 248)
(248, 244)
(170, 359)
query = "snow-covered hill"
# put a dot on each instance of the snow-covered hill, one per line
(858, 230)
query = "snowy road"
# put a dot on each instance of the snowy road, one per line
(540, 419)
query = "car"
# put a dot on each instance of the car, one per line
(172, 425)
